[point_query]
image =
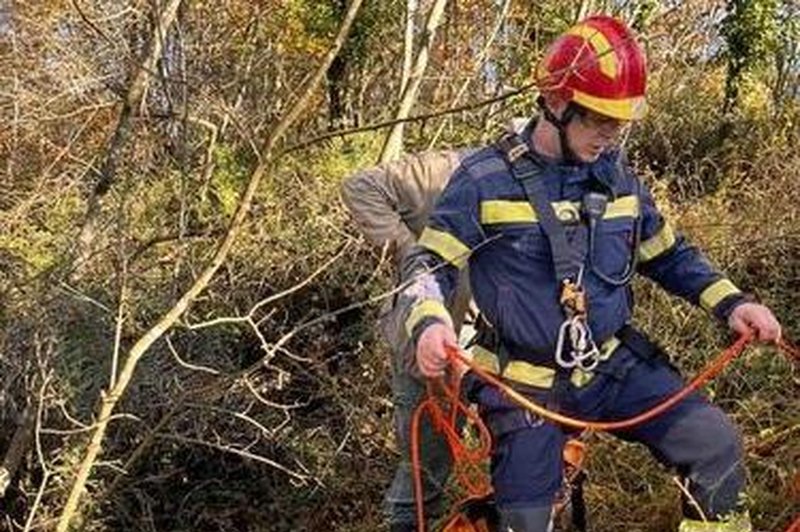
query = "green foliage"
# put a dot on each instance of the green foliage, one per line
(344, 156)
(39, 243)
(230, 177)
(321, 20)
(751, 33)
(644, 13)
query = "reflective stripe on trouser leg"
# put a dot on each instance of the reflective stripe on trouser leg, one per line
(526, 519)
(695, 437)
(737, 523)
(399, 502)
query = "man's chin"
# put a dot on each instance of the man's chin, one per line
(589, 156)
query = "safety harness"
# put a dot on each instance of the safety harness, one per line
(568, 249)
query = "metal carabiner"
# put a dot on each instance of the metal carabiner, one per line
(583, 352)
(560, 360)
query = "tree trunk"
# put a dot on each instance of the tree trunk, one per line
(133, 98)
(337, 113)
(19, 446)
(394, 141)
(408, 43)
(501, 17)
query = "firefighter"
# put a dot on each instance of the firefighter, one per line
(553, 224)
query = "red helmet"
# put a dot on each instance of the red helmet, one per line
(599, 65)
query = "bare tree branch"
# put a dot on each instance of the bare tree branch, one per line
(139, 349)
(394, 141)
(132, 100)
(301, 478)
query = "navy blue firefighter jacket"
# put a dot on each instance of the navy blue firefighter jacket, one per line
(484, 219)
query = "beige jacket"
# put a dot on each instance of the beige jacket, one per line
(391, 204)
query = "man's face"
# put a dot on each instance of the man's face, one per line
(591, 133)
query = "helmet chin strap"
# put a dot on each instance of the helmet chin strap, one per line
(561, 125)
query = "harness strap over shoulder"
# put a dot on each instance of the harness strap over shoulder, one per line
(568, 255)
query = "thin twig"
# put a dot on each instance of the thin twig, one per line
(269, 403)
(40, 455)
(88, 428)
(300, 477)
(83, 297)
(239, 415)
(185, 364)
(302, 284)
(690, 498)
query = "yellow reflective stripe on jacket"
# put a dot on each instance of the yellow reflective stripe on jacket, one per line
(625, 206)
(504, 212)
(507, 212)
(430, 308)
(533, 375)
(657, 244)
(716, 292)
(445, 245)
(581, 378)
(530, 374)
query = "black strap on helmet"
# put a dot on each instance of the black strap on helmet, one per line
(560, 124)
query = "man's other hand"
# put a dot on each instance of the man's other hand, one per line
(431, 354)
(756, 319)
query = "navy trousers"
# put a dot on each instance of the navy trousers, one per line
(694, 437)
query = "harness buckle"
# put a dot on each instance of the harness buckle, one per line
(517, 151)
(573, 298)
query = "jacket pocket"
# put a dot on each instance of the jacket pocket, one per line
(612, 249)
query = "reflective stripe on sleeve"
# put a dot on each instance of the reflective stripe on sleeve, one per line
(713, 294)
(445, 245)
(485, 359)
(657, 244)
(430, 308)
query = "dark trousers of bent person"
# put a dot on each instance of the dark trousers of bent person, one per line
(399, 503)
(695, 438)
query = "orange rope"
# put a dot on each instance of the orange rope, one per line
(709, 372)
(466, 459)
